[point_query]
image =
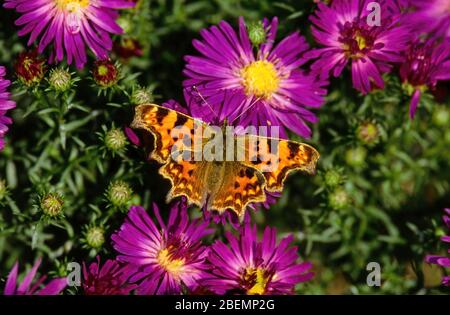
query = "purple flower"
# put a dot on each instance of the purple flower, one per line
(249, 266)
(69, 25)
(442, 260)
(265, 88)
(167, 258)
(232, 218)
(346, 35)
(425, 64)
(110, 279)
(5, 104)
(54, 287)
(431, 17)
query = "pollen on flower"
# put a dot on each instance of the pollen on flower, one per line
(361, 41)
(357, 39)
(257, 278)
(260, 78)
(72, 5)
(171, 265)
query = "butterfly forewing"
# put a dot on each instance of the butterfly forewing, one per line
(275, 158)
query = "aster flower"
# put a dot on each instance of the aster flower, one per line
(54, 287)
(69, 25)
(105, 73)
(126, 48)
(30, 68)
(343, 30)
(232, 218)
(110, 279)
(265, 88)
(431, 17)
(168, 258)
(249, 266)
(426, 63)
(442, 260)
(5, 104)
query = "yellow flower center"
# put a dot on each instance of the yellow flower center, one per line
(72, 5)
(361, 41)
(260, 78)
(258, 277)
(173, 266)
(102, 70)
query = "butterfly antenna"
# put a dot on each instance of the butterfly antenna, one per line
(248, 108)
(205, 101)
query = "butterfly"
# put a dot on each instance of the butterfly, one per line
(219, 184)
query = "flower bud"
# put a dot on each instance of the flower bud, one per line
(105, 73)
(441, 116)
(30, 68)
(356, 157)
(257, 33)
(127, 47)
(115, 140)
(95, 237)
(52, 204)
(338, 199)
(141, 96)
(60, 80)
(119, 193)
(333, 178)
(368, 133)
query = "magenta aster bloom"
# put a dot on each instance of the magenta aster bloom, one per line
(70, 25)
(442, 260)
(343, 30)
(249, 266)
(265, 88)
(54, 287)
(232, 218)
(168, 258)
(431, 17)
(426, 63)
(110, 279)
(5, 104)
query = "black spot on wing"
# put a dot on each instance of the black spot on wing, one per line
(181, 120)
(293, 149)
(249, 172)
(160, 114)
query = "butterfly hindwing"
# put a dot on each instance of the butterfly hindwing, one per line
(187, 179)
(239, 186)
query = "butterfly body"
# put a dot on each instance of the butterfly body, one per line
(223, 172)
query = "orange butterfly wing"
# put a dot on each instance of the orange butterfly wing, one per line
(161, 122)
(224, 185)
(276, 158)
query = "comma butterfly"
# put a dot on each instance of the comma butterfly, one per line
(218, 183)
